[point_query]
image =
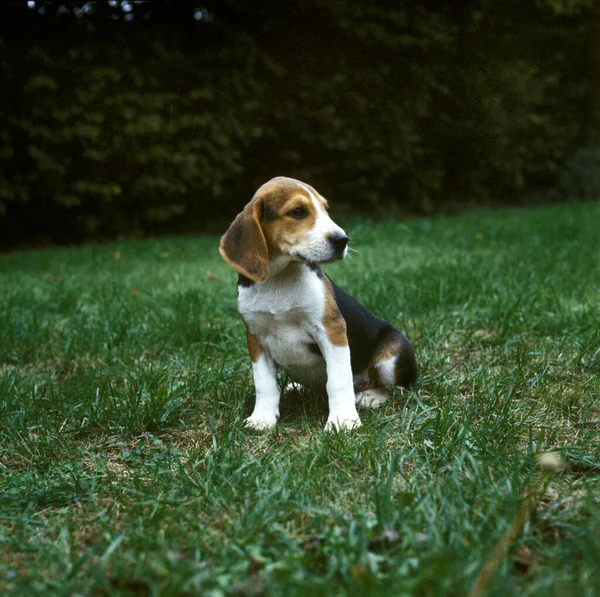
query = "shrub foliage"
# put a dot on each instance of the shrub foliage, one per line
(165, 116)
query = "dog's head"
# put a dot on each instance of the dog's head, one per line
(287, 218)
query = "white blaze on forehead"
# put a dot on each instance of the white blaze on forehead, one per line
(321, 212)
(310, 193)
(315, 201)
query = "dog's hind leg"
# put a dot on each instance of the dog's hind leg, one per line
(372, 398)
(395, 361)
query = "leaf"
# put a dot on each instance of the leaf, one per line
(41, 82)
(357, 572)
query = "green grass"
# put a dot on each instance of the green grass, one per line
(124, 467)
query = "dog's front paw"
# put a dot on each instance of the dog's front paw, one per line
(260, 422)
(342, 423)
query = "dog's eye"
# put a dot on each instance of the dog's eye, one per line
(298, 213)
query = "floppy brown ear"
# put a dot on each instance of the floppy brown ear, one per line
(244, 246)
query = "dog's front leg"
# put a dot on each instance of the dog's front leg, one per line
(264, 371)
(340, 387)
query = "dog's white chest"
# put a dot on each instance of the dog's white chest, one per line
(285, 315)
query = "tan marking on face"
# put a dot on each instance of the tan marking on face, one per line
(322, 201)
(285, 231)
(333, 322)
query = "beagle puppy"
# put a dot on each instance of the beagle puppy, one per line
(297, 319)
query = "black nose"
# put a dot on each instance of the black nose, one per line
(339, 241)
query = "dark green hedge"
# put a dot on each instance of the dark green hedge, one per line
(166, 123)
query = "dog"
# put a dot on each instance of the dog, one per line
(297, 319)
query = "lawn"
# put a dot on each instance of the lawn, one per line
(124, 380)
